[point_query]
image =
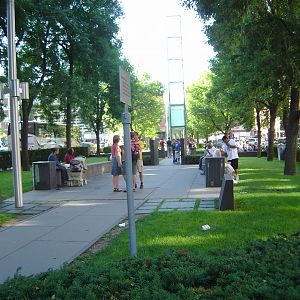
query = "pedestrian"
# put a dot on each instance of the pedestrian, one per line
(232, 154)
(116, 170)
(219, 153)
(173, 150)
(53, 156)
(135, 154)
(140, 164)
(169, 147)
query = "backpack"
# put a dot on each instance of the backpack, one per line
(135, 152)
(75, 165)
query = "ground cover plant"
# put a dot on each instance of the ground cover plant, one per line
(260, 270)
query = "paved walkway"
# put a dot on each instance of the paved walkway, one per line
(62, 224)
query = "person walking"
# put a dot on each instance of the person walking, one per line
(116, 170)
(169, 147)
(135, 154)
(232, 154)
(140, 164)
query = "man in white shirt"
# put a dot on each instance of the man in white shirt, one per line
(232, 154)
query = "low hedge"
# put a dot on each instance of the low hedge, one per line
(260, 270)
(39, 155)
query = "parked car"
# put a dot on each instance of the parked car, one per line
(3, 148)
(253, 141)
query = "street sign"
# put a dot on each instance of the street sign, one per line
(125, 90)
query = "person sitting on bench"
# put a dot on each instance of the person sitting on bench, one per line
(58, 165)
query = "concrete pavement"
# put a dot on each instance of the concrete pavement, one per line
(64, 223)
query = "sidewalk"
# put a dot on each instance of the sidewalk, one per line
(64, 223)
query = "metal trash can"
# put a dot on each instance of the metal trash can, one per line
(281, 151)
(214, 171)
(44, 175)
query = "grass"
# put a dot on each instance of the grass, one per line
(4, 218)
(267, 204)
(94, 159)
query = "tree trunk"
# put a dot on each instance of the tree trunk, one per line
(24, 137)
(68, 122)
(97, 132)
(271, 134)
(258, 123)
(292, 134)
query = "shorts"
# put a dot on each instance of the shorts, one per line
(234, 163)
(115, 170)
(134, 168)
(140, 166)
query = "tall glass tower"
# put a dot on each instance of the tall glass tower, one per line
(176, 105)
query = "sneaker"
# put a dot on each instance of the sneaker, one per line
(237, 177)
(142, 185)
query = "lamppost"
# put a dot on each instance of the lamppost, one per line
(15, 91)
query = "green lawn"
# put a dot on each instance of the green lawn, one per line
(267, 203)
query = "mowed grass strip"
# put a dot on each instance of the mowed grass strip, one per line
(267, 204)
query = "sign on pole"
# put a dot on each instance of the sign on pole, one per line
(125, 90)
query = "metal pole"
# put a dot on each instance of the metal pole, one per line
(126, 120)
(14, 96)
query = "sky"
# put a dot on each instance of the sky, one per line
(144, 31)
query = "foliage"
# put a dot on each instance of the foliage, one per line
(61, 46)
(257, 45)
(147, 106)
(198, 120)
(260, 270)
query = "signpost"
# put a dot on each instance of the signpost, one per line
(125, 97)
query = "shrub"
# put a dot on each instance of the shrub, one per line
(39, 155)
(107, 149)
(5, 160)
(192, 159)
(260, 270)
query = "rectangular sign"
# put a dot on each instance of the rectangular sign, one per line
(125, 90)
(177, 116)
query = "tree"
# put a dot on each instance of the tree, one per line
(147, 106)
(198, 122)
(264, 34)
(55, 39)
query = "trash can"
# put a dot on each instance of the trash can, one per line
(44, 175)
(281, 151)
(214, 171)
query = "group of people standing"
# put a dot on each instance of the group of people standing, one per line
(118, 162)
(230, 148)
